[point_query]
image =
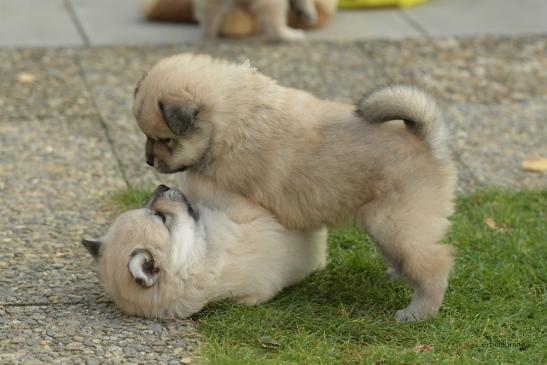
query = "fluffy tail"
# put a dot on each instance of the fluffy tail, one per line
(417, 109)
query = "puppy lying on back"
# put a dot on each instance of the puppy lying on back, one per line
(172, 257)
(312, 162)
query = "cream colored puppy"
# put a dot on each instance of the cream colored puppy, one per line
(270, 15)
(171, 257)
(311, 162)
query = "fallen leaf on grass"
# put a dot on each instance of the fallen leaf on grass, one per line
(493, 225)
(534, 164)
(268, 342)
(423, 348)
(26, 77)
(490, 223)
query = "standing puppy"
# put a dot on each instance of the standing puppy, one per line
(270, 15)
(310, 161)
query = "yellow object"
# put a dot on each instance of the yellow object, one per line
(350, 4)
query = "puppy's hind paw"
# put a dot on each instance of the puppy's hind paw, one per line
(250, 300)
(405, 316)
(392, 275)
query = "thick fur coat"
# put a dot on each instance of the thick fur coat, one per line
(311, 162)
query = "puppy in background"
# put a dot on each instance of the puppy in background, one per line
(312, 162)
(172, 257)
(270, 16)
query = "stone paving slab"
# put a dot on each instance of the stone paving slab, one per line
(366, 24)
(485, 70)
(107, 22)
(491, 141)
(31, 23)
(42, 82)
(479, 17)
(57, 177)
(48, 23)
(492, 90)
(90, 334)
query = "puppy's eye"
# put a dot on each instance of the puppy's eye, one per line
(161, 216)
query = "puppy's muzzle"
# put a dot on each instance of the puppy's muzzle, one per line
(173, 194)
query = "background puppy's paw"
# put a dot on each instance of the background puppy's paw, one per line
(290, 34)
(309, 15)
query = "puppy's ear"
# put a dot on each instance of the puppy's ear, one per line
(177, 116)
(142, 268)
(92, 246)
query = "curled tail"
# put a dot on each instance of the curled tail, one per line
(417, 109)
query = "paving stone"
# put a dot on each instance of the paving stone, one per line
(29, 23)
(361, 24)
(474, 79)
(57, 87)
(491, 141)
(107, 22)
(20, 345)
(484, 70)
(57, 177)
(479, 17)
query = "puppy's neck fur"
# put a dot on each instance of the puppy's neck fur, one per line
(190, 245)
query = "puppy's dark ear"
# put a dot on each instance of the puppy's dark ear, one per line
(142, 267)
(92, 246)
(177, 116)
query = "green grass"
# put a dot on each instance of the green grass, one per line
(494, 312)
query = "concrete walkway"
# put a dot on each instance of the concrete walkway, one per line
(47, 23)
(68, 141)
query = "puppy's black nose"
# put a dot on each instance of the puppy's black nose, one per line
(162, 188)
(149, 160)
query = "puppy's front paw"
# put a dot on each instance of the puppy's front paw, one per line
(249, 300)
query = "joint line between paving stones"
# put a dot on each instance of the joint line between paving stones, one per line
(77, 23)
(109, 138)
(40, 304)
(414, 24)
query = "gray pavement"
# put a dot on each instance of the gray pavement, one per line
(68, 140)
(47, 23)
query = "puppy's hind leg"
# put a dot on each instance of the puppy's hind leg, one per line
(407, 233)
